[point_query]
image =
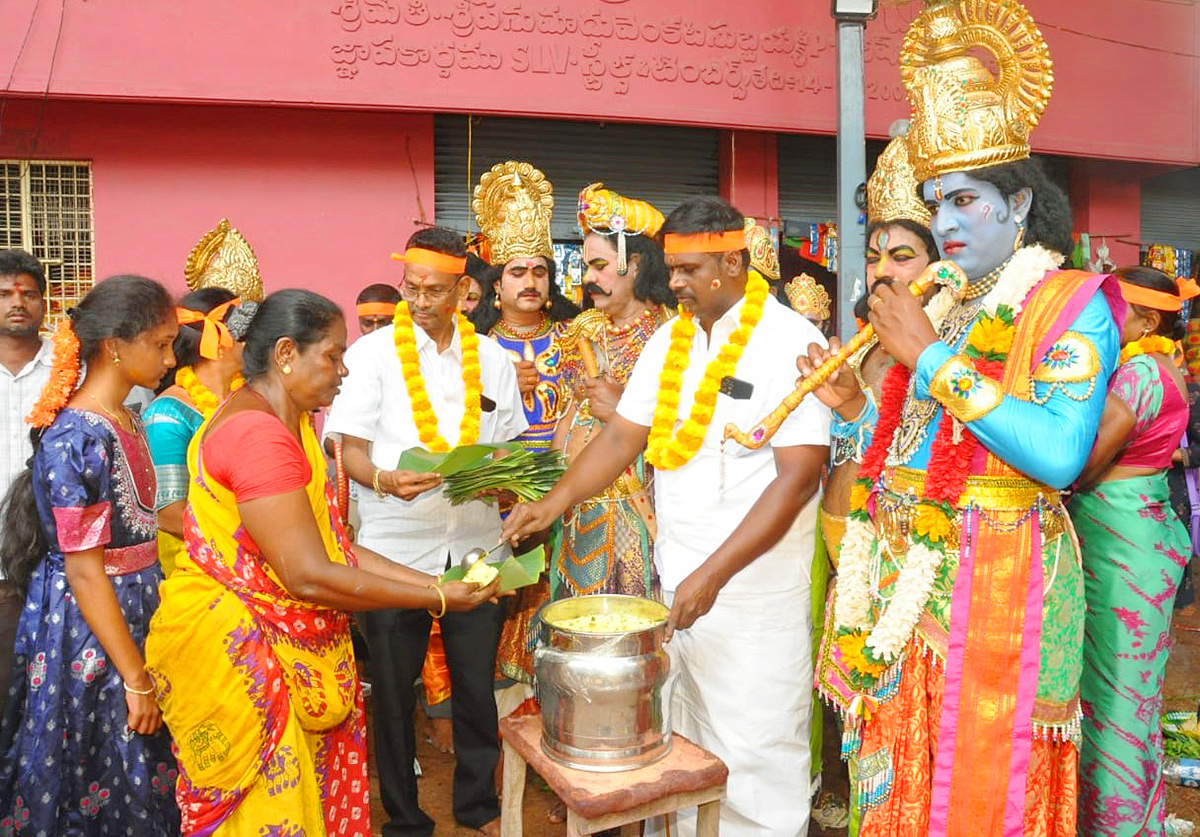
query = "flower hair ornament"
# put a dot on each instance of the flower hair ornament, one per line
(64, 376)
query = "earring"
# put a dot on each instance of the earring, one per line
(549, 302)
(116, 359)
(496, 302)
(286, 369)
(716, 284)
(1020, 240)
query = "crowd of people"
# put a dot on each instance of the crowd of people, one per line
(987, 482)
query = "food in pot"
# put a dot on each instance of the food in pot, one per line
(605, 623)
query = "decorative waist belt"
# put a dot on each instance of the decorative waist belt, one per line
(993, 493)
(130, 559)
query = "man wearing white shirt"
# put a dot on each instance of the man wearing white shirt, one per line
(25, 362)
(736, 526)
(406, 517)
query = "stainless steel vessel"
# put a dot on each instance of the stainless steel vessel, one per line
(603, 695)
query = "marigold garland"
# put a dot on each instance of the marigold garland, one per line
(64, 376)
(1154, 344)
(670, 452)
(987, 346)
(203, 399)
(423, 415)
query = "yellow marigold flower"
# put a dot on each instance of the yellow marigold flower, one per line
(852, 647)
(991, 335)
(859, 494)
(932, 523)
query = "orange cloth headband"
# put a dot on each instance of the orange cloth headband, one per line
(215, 334)
(376, 309)
(704, 242)
(454, 265)
(1159, 300)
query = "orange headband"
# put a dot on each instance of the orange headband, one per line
(704, 242)
(1159, 300)
(454, 265)
(215, 334)
(376, 309)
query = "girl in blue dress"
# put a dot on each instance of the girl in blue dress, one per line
(83, 750)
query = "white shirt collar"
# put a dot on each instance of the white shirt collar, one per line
(422, 339)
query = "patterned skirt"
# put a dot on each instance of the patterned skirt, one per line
(70, 764)
(1134, 553)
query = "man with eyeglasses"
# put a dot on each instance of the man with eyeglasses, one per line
(449, 383)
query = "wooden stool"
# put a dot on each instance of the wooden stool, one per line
(685, 777)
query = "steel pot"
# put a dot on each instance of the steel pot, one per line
(603, 695)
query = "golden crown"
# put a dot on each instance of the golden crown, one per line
(808, 298)
(763, 257)
(224, 259)
(963, 117)
(892, 188)
(513, 205)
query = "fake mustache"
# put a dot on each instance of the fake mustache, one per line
(594, 289)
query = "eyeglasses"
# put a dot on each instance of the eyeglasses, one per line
(434, 295)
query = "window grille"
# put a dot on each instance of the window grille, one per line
(46, 209)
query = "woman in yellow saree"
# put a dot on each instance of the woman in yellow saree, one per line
(250, 650)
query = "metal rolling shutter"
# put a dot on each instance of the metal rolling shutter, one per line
(807, 180)
(660, 164)
(1171, 209)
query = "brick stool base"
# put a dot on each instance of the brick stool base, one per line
(687, 776)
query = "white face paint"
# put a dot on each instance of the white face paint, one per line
(973, 224)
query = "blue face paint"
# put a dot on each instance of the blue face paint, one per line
(973, 224)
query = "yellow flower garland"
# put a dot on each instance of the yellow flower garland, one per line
(669, 452)
(423, 415)
(1148, 345)
(203, 399)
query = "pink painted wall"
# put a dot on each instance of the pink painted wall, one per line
(755, 64)
(324, 198)
(1106, 200)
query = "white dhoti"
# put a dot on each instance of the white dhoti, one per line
(742, 688)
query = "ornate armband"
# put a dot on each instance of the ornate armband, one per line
(1071, 366)
(852, 437)
(966, 393)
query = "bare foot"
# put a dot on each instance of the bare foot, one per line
(441, 735)
(491, 829)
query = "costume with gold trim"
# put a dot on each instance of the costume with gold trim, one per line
(608, 540)
(514, 205)
(954, 643)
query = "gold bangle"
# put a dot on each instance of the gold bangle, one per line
(379, 492)
(441, 596)
(142, 692)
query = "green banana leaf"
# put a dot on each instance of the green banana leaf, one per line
(452, 461)
(517, 571)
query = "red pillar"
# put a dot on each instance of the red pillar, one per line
(749, 171)
(1106, 200)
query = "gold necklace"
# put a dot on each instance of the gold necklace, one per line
(917, 414)
(111, 414)
(522, 333)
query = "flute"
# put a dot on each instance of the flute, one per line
(944, 273)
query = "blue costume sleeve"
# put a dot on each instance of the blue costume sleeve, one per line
(1047, 438)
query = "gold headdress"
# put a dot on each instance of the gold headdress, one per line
(513, 205)
(892, 188)
(763, 257)
(604, 211)
(963, 117)
(808, 297)
(224, 259)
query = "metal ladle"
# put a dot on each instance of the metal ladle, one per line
(473, 555)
